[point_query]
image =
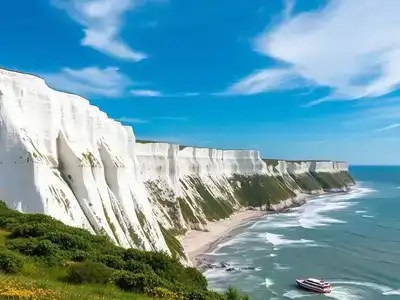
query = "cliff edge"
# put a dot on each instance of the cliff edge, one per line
(63, 157)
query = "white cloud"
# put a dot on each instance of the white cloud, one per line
(392, 126)
(263, 81)
(350, 46)
(288, 8)
(389, 111)
(171, 118)
(146, 93)
(132, 120)
(153, 93)
(188, 94)
(102, 20)
(90, 81)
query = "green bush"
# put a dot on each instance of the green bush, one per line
(111, 261)
(202, 295)
(137, 267)
(79, 255)
(3, 206)
(44, 248)
(8, 221)
(194, 277)
(139, 283)
(29, 230)
(162, 264)
(232, 294)
(68, 241)
(32, 247)
(10, 262)
(89, 272)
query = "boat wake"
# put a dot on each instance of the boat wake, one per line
(384, 290)
(346, 290)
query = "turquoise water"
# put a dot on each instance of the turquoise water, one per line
(351, 240)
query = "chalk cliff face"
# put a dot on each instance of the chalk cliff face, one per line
(203, 185)
(61, 156)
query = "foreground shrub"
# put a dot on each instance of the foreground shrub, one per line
(162, 293)
(32, 247)
(162, 264)
(30, 230)
(68, 241)
(233, 294)
(111, 261)
(202, 295)
(139, 283)
(79, 255)
(138, 267)
(195, 278)
(89, 272)
(10, 262)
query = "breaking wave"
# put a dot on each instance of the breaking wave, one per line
(279, 240)
(313, 213)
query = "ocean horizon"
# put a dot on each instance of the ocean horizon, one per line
(349, 239)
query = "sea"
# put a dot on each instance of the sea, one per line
(351, 240)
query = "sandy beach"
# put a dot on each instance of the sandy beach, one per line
(197, 243)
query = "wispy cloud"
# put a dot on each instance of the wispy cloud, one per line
(373, 114)
(263, 81)
(154, 93)
(171, 118)
(389, 127)
(288, 8)
(348, 46)
(103, 21)
(146, 93)
(132, 120)
(89, 81)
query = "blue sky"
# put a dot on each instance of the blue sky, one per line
(294, 79)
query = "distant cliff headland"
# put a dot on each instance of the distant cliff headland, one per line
(65, 158)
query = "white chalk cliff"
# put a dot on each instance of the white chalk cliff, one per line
(61, 156)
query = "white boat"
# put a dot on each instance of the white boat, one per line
(315, 285)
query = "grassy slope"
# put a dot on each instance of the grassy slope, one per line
(40, 257)
(47, 287)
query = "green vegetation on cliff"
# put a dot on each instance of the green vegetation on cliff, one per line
(213, 208)
(307, 183)
(259, 190)
(41, 258)
(271, 162)
(329, 181)
(347, 177)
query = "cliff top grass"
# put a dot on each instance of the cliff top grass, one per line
(276, 160)
(41, 258)
(181, 147)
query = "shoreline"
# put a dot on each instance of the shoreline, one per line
(197, 244)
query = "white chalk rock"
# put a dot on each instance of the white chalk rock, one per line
(63, 157)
